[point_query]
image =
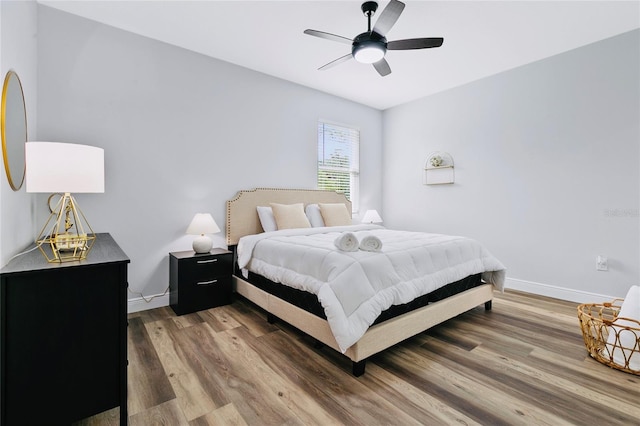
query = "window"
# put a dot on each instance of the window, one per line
(338, 160)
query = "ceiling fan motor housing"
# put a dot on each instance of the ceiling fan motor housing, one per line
(369, 47)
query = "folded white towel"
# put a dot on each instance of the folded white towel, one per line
(371, 243)
(627, 340)
(347, 241)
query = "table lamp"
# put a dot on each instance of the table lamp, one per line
(54, 167)
(201, 224)
(371, 216)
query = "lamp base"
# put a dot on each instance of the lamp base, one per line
(66, 240)
(202, 244)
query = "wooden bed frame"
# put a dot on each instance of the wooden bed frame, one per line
(242, 219)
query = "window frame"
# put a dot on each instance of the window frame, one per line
(353, 168)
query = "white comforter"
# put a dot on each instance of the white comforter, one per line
(355, 287)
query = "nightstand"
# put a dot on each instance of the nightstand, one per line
(199, 281)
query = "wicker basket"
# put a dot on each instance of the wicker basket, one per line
(607, 337)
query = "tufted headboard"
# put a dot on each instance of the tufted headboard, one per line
(242, 216)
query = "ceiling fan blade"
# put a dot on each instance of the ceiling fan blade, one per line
(336, 62)
(328, 36)
(382, 66)
(415, 43)
(388, 17)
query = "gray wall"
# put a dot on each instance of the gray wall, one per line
(182, 133)
(546, 164)
(546, 155)
(18, 52)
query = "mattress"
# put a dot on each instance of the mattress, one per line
(309, 301)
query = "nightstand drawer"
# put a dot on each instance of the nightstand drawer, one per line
(198, 295)
(205, 268)
(199, 281)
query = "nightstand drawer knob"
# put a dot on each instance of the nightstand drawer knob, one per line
(207, 282)
(208, 261)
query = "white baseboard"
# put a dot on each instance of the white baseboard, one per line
(562, 293)
(139, 304)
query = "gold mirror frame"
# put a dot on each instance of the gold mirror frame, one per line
(13, 129)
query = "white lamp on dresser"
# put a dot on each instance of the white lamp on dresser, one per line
(65, 168)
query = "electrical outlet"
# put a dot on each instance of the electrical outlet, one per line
(602, 263)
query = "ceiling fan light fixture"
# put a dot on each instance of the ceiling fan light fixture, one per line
(368, 52)
(371, 46)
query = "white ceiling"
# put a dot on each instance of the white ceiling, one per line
(481, 38)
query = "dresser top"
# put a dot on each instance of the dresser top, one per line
(104, 250)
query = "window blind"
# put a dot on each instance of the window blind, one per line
(338, 160)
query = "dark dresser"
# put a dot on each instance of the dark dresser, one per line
(199, 281)
(63, 337)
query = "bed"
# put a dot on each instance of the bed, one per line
(303, 310)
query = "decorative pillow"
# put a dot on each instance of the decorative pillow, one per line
(313, 214)
(290, 216)
(267, 220)
(335, 214)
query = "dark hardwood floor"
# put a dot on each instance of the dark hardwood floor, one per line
(523, 363)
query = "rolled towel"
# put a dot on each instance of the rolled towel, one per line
(623, 348)
(347, 241)
(371, 243)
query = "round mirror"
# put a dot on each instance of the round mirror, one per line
(14, 129)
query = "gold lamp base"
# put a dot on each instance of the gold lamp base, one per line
(66, 240)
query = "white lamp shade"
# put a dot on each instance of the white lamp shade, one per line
(63, 167)
(201, 224)
(371, 216)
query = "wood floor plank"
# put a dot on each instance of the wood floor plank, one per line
(422, 406)
(522, 333)
(219, 318)
(166, 414)
(156, 314)
(251, 316)
(245, 380)
(184, 321)
(202, 356)
(477, 397)
(192, 398)
(522, 363)
(106, 418)
(227, 415)
(301, 404)
(546, 312)
(147, 379)
(296, 361)
(498, 374)
(589, 373)
(586, 399)
(338, 393)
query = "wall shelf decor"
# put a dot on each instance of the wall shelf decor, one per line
(438, 169)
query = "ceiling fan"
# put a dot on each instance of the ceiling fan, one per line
(371, 46)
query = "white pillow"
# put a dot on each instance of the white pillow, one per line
(267, 220)
(289, 216)
(313, 214)
(335, 214)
